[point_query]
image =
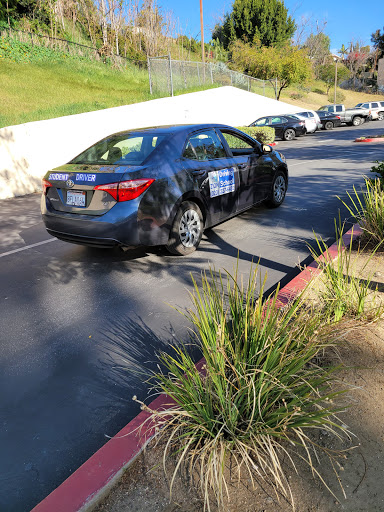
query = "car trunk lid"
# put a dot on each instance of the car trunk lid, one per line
(73, 188)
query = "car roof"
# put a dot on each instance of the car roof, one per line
(172, 128)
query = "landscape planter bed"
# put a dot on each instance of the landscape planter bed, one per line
(89, 484)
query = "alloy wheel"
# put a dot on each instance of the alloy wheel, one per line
(279, 189)
(189, 228)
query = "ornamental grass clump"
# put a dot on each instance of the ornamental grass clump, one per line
(368, 210)
(259, 393)
(342, 292)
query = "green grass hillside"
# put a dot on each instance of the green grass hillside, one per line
(54, 85)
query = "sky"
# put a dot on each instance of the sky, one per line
(345, 20)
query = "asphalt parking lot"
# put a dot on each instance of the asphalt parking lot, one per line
(78, 324)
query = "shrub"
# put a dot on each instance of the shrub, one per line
(369, 211)
(16, 51)
(319, 91)
(340, 97)
(342, 294)
(379, 170)
(260, 392)
(296, 95)
(263, 134)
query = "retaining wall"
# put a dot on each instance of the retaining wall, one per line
(28, 151)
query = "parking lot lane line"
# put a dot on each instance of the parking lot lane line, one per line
(27, 247)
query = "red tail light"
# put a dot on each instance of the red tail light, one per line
(302, 123)
(126, 190)
(111, 188)
(338, 117)
(45, 184)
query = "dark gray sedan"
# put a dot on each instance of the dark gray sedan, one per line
(160, 186)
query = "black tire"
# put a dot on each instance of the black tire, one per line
(289, 134)
(328, 125)
(278, 190)
(187, 230)
(356, 121)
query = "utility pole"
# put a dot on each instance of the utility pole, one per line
(202, 34)
(336, 61)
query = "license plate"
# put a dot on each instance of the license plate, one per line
(75, 198)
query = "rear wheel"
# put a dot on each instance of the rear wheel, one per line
(278, 190)
(380, 116)
(328, 125)
(187, 230)
(289, 134)
(356, 121)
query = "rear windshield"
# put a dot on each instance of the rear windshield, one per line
(122, 149)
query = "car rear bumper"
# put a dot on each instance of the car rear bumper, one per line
(91, 231)
(85, 240)
(122, 225)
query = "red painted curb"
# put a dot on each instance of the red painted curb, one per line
(376, 139)
(91, 481)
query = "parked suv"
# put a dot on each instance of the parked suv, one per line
(376, 108)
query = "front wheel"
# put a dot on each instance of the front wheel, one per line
(187, 230)
(328, 125)
(278, 190)
(356, 121)
(289, 134)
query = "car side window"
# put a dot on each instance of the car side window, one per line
(339, 108)
(375, 105)
(365, 105)
(276, 120)
(204, 145)
(234, 141)
(261, 122)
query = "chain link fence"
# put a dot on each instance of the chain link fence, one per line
(166, 76)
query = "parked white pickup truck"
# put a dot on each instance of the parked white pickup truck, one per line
(376, 108)
(353, 116)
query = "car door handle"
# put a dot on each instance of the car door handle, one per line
(199, 172)
(241, 167)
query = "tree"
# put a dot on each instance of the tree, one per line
(317, 46)
(377, 38)
(326, 73)
(150, 22)
(285, 65)
(260, 22)
(357, 58)
(343, 52)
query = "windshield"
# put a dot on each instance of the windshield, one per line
(121, 149)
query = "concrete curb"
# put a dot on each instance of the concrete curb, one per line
(87, 486)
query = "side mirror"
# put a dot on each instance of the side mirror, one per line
(267, 149)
